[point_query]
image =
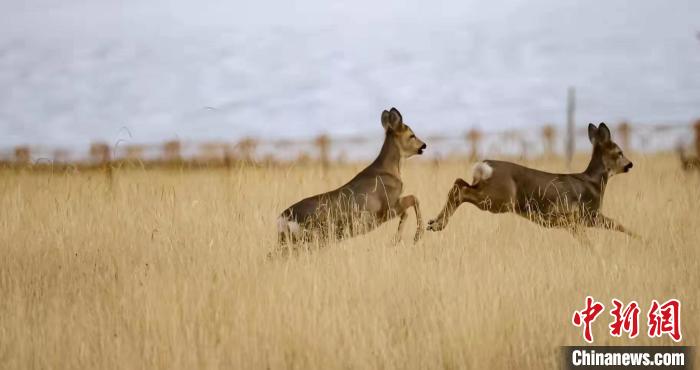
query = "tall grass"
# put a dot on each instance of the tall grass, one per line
(168, 270)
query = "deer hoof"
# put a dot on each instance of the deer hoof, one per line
(419, 234)
(434, 225)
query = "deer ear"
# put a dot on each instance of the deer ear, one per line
(385, 119)
(603, 132)
(391, 120)
(592, 133)
(397, 113)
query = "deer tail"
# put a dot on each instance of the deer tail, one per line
(482, 172)
(286, 228)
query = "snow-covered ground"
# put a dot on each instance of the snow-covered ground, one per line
(73, 71)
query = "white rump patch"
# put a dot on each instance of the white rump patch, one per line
(294, 227)
(281, 225)
(284, 225)
(482, 172)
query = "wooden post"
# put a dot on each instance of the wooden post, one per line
(570, 126)
(229, 157)
(172, 151)
(247, 148)
(624, 130)
(323, 144)
(100, 154)
(548, 133)
(473, 139)
(23, 156)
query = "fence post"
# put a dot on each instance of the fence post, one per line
(172, 152)
(22, 156)
(624, 130)
(570, 126)
(247, 148)
(548, 133)
(323, 143)
(473, 138)
(229, 157)
(100, 154)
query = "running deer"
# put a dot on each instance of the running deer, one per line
(552, 200)
(371, 198)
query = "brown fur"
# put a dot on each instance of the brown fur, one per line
(549, 199)
(371, 198)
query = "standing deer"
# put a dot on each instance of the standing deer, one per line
(371, 198)
(549, 199)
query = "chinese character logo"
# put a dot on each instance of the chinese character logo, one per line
(662, 319)
(665, 319)
(586, 317)
(626, 320)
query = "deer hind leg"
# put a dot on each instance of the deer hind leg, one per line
(405, 203)
(579, 233)
(608, 223)
(292, 237)
(456, 196)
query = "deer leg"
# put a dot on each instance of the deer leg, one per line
(403, 216)
(405, 203)
(454, 198)
(579, 233)
(419, 220)
(608, 223)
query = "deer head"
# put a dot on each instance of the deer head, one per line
(610, 153)
(408, 143)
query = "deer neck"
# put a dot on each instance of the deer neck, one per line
(596, 171)
(389, 159)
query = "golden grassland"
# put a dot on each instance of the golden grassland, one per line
(168, 269)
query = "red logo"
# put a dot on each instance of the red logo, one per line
(624, 320)
(586, 317)
(662, 318)
(665, 319)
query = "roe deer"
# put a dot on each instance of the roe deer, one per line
(371, 198)
(549, 199)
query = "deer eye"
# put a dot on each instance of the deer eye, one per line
(412, 136)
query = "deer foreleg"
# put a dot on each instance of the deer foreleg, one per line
(454, 199)
(404, 204)
(403, 216)
(610, 224)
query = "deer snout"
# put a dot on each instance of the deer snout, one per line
(422, 148)
(628, 167)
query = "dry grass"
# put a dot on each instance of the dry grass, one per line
(168, 270)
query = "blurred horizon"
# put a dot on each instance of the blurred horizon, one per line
(79, 71)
